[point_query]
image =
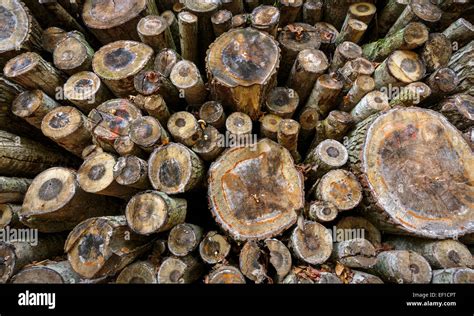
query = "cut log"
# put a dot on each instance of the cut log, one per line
(265, 18)
(132, 171)
(9, 216)
(293, 38)
(308, 120)
(327, 34)
(321, 211)
(352, 31)
(221, 22)
(203, 9)
(242, 65)
(436, 52)
(373, 102)
(13, 189)
(360, 277)
(411, 95)
(86, 91)
(111, 120)
(461, 64)
(401, 266)
(289, 11)
(238, 124)
(154, 31)
(213, 114)
(165, 61)
(184, 128)
(188, 30)
(269, 126)
(341, 188)
(335, 11)
(440, 254)
(209, 146)
(32, 106)
(96, 175)
(17, 254)
(214, 248)
(33, 72)
(73, 54)
(66, 126)
(453, 276)
(147, 132)
(152, 212)
(49, 272)
(279, 258)
(20, 32)
(251, 262)
(225, 275)
(360, 87)
(114, 20)
(51, 37)
(312, 11)
(311, 243)
(459, 110)
(344, 52)
(353, 224)
(184, 238)
(389, 15)
(54, 202)
(460, 32)
(102, 246)
(441, 82)
(325, 93)
(334, 126)
(154, 105)
(328, 155)
(250, 193)
(124, 146)
(180, 270)
(22, 157)
(411, 36)
(420, 10)
(355, 253)
(172, 21)
(353, 69)
(240, 20)
(308, 66)
(287, 136)
(400, 68)
(140, 272)
(363, 12)
(149, 82)
(175, 169)
(282, 101)
(415, 198)
(117, 63)
(186, 77)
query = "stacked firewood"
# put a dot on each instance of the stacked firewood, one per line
(232, 141)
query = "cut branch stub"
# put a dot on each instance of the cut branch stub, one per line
(417, 171)
(242, 66)
(311, 243)
(254, 192)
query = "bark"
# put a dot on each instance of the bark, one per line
(360, 87)
(460, 32)
(32, 106)
(221, 22)
(172, 21)
(373, 102)
(312, 11)
(461, 63)
(22, 157)
(289, 11)
(459, 110)
(187, 78)
(401, 266)
(353, 224)
(355, 253)
(453, 276)
(325, 94)
(287, 136)
(411, 95)
(49, 272)
(344, 52)
(188, 30)
(269, 126)
(334, 126)
(436, 52)
(13, 189)
(352, 31)
(51, 37)
(9, 216)
(389, 14)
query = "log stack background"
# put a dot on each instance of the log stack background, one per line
(118, 129)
